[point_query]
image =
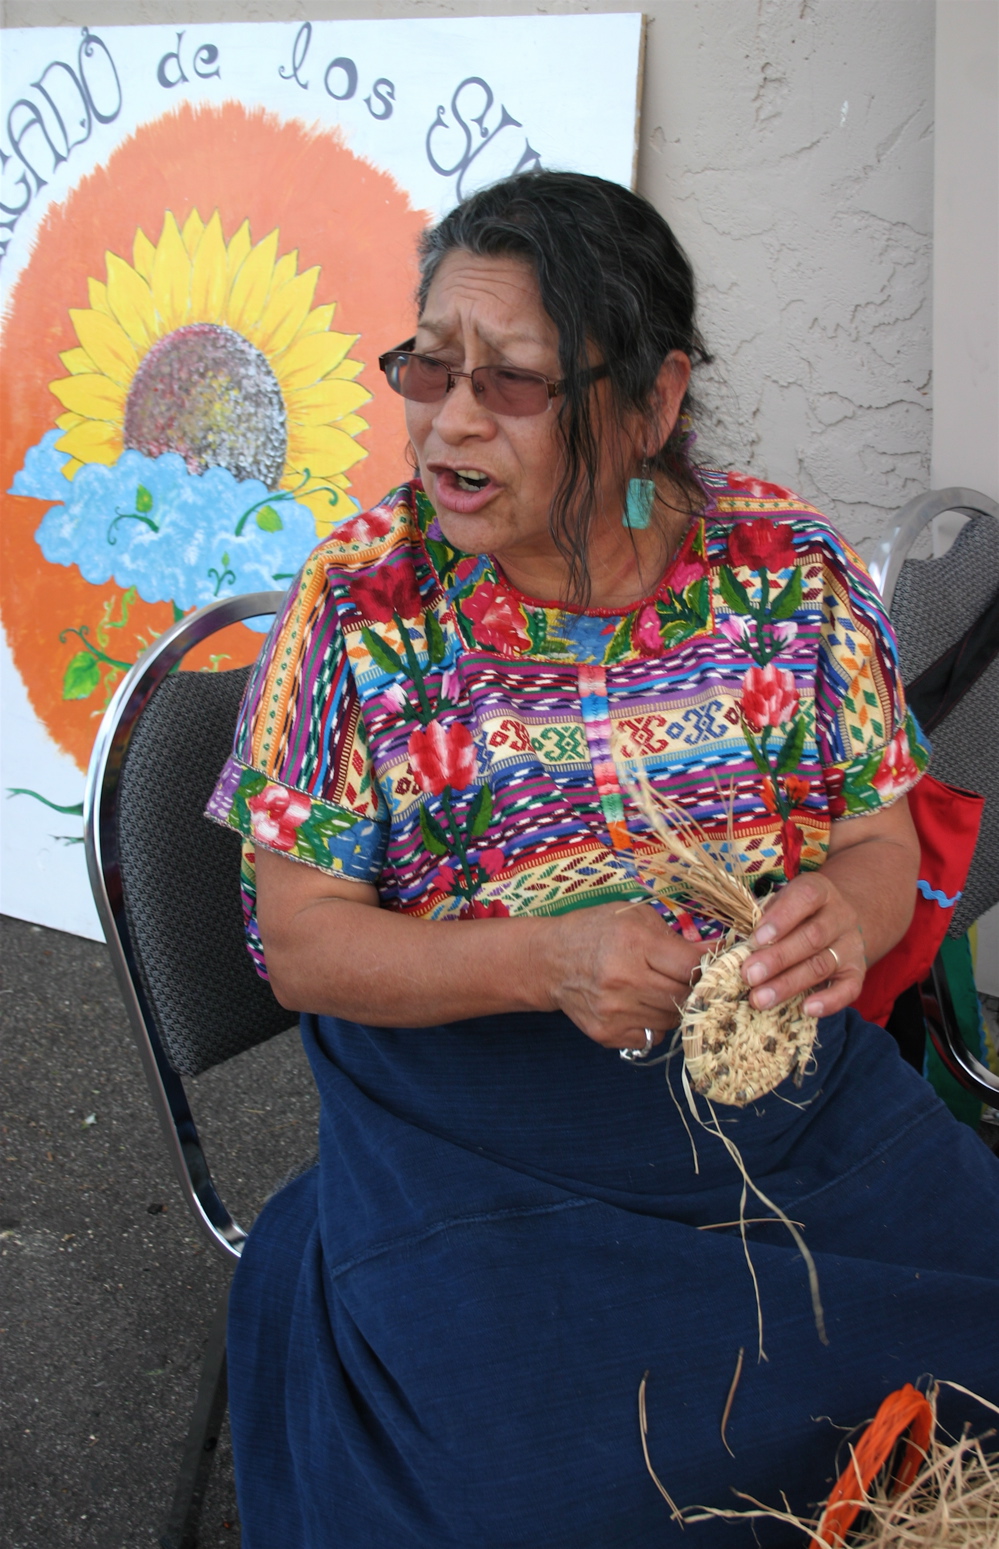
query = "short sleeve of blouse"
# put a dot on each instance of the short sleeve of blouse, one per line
(300, 779)
(870, 745)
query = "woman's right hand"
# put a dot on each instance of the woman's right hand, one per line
(616, 970)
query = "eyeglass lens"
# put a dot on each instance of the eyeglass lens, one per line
(500, 389)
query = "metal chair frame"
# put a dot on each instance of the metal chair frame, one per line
(890, 552)
(951, 1047)
(165, 1085)
(885, 566)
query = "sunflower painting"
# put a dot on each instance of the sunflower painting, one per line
(209, 421)
(209, 236)
(214, 351)
(190, 390)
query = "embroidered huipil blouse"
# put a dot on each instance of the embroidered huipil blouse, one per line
(417, 723)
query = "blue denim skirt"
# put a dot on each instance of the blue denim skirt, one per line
(437, 1335)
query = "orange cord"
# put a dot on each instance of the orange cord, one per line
(905, 1409)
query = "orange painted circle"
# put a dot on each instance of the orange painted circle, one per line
(343, 215)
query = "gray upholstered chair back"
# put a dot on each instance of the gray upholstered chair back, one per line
(166, 884)
(934, 602)
(180, 877)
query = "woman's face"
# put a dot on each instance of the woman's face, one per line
(482, 312)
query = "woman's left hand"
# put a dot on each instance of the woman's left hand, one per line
(809, 940)
(819, 933)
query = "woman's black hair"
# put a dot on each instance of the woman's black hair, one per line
(613, 279)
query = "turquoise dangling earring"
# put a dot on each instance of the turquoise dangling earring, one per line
(640, 500)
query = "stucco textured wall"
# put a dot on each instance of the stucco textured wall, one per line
(966, 252)
(790, 144)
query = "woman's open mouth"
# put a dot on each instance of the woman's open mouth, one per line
(463, 489)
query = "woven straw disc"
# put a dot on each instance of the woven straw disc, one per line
(733, 1053)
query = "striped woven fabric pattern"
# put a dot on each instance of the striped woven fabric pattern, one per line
(416, 722)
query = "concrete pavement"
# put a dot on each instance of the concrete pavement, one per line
(107, 1288)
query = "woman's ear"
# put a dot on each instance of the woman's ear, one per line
(668, 394)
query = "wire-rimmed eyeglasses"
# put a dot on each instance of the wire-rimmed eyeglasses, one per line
(500, 389)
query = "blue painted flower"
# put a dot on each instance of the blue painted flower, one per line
(175, 536)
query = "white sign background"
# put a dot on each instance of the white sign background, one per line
(444, 106)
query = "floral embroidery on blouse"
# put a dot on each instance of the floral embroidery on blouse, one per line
(417, 723)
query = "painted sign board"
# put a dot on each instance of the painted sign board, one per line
(208, 236)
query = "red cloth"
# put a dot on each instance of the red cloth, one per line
(947, 820)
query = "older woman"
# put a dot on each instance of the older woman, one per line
(438, 1334)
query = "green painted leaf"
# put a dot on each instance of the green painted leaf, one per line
(81, 677)
(788, 599)
(620, 640)
(481, 813)
(789, 756)
(73, 811)
(143, 500)
(733, 591)
(268, 520)
(108, 622)
(432, 834)
(380, 653)
(436, 645)
(225, 561)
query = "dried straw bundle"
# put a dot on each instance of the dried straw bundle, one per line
(952, 1502)
(733, 1052)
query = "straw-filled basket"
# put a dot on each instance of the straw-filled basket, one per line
(733, 1053)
